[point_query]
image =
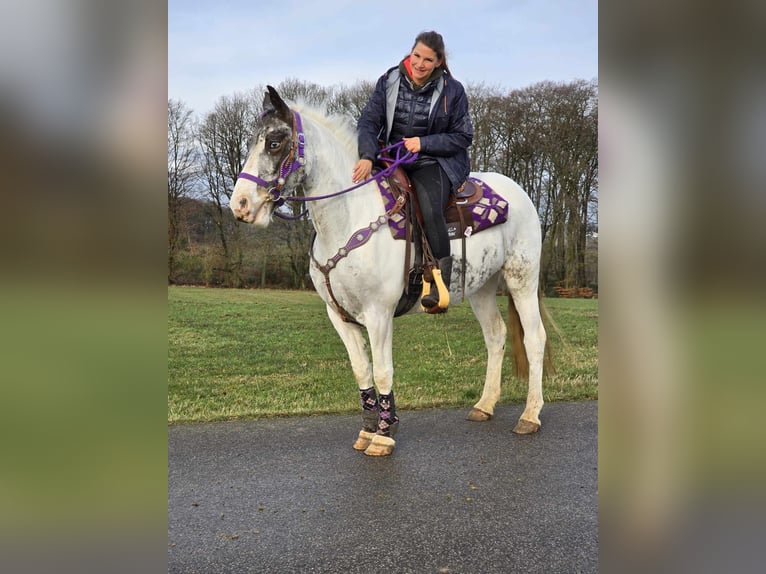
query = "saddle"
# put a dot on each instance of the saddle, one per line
(474, 207)
(471, 209)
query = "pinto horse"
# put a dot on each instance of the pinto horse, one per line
(356, 263)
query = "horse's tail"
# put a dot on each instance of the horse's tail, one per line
(516, 332)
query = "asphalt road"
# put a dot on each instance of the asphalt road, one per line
(292, 496)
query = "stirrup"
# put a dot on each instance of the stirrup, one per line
(441, 289)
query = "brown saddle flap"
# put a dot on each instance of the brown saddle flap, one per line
(468, 194)
(400, 185)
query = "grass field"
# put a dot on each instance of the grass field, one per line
(236, 354)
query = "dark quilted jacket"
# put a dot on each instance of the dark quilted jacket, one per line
(411, 112)
(445, 136)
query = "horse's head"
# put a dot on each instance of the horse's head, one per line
(275, 163)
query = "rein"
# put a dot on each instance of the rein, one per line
(399, 159)
(274, 188)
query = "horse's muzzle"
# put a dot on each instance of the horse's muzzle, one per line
(240, 208)
(256, 211)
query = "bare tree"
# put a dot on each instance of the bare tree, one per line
(313, 94)
(545, 138)
(351, 100)
(223, 137)
(574, 164)
(484, 105)
(182, 172)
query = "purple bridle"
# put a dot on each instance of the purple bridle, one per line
(274, 188)
(291, 164)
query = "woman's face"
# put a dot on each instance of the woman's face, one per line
(423, 60)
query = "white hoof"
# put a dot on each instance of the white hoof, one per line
(380, 446)
(363, 440)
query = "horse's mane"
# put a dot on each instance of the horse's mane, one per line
(341, 126)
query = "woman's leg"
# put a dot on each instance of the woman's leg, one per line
(433, 187)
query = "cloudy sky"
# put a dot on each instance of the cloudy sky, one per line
(219, 47)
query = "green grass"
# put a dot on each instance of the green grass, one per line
(235, 354)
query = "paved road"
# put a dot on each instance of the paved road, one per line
(292, 496)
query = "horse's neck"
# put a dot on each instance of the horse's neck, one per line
(335, 219)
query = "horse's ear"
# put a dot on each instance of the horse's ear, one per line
(272, 101)
(267, 105)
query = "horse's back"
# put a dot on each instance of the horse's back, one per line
(521, 210)
(518, 200)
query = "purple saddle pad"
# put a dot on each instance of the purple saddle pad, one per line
(491, 209)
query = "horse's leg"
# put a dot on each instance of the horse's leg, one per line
(528, 308)
(484, 305)
(380, 330)
(353, 339)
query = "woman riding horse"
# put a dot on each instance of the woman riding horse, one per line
(420, 102)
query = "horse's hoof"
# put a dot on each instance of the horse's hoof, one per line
(363, 440)
(380, 446)
(526, 427)
(478, 415)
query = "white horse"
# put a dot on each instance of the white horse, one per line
(363, 275)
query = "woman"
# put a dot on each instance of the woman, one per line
(420, 103)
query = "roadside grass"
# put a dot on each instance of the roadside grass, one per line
(239, 354)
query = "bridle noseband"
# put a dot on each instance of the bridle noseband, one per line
(289, 165)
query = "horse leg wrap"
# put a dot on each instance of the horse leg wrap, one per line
(382, 443)
(389, 422)
(370, 414)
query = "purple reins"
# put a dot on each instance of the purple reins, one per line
(274, 188)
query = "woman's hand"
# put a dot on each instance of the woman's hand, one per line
(412, 144)
(362, 170)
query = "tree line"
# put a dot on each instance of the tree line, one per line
(545, 137)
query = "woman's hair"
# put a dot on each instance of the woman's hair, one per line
(434, 41)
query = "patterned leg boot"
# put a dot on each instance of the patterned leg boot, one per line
(383, 442)
(370, 418)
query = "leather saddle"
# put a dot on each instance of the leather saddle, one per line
(467, 194)
(460, 223)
